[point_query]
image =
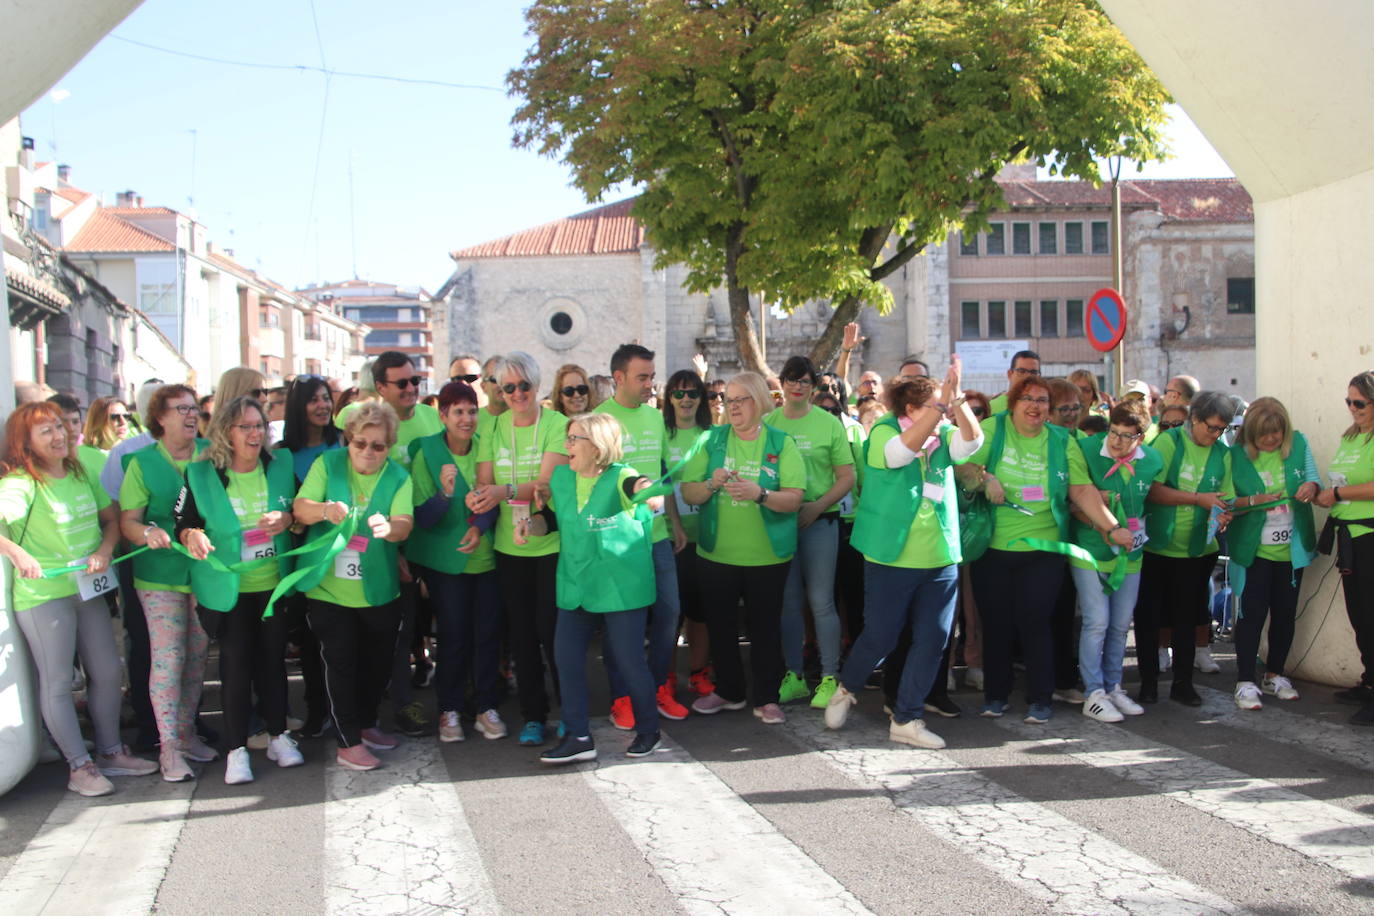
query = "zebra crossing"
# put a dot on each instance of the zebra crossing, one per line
(1209, 810)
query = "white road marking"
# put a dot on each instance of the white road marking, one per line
(1275, 722)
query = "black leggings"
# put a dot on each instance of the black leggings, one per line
(250, 661)
(1172, 591)
(1271, 590)
(529, 586)
(1359, 601)
(1016, 591)
(356, 644)
(722, 587)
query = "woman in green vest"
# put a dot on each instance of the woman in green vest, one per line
(1351, 499)
(1033, 471)
(1271, 465)
(352, 598)
(237, 506)
(605, 577)
(1188, 506)
(153, 480)
(1123, 470)
(748, 480)
(453, 550)
(908, 531)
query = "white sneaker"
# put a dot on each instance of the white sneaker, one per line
(450, 729)
(915, 734)
(1279, 686)
(237, 769)
(973, 678)
(1166, 659)
(489, 724)
(1069, 695)
(1204, 662)
(1248, 696)
(837, 710)
(1097, 706)
(284, 751)
(1123, 703)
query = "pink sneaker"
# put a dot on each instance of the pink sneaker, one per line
(713, 703)
(378, 740)
(87, 780)
(123, 763)
(770, 713)
(357, 757)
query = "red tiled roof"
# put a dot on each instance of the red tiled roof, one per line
(1207, 200)
(75, 195)
(106, 231)
(604, 230)
(142, 211)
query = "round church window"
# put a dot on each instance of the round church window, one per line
(560, 323)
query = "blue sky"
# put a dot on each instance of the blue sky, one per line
(432, 167)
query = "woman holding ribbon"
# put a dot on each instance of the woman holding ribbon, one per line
(1272, 539)
(233, 517)
(153, 480)
(352, 592)
(56, 516)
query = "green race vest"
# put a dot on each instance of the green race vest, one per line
(219, 591)
(1159, 522)
(605, 556)
(1130, 495)
(381, 582)
(1057, 468)
(437, 547)
(1243, 534)
(164, 483)
(781, 526)
(892, 497)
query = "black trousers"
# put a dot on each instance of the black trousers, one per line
(529, 587)
(761, 587)
(1016, 592)
(407, 608)
(1172, 591)
(1064, 637)
(356, 645)
(250, 661)
(312, 668)
(849, 583)
(1359, 601)
(137, 652)
(1271, 590)
(689, 584)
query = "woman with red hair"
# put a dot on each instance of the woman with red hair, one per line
(57, 516)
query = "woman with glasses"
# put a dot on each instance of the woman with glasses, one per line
(829, 462)
(686, 416)
(1033, 473)
(1351, 500)
(237, 505)
(715, 400)
(1271, 464)
(571, 391)
(749, 480)
(1123, 469)
(107, 423)
(1089, 396)
(1189, 505)
(153, 480)
(1065, 410)
(353, 600)
(1172, 417)
(525, 445)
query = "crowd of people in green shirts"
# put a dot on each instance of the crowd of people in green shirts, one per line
(490, 532)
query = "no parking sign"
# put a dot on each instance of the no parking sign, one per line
(1104, 322)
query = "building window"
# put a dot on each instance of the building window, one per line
(1073, 238)
(1049, 238)
(268, 317)
(1101, 237)
(560, 323)
(997, 240)
(1240, 296)
(968, 244)
(1020, 238)
(1049, 317)
(969, 328)
(157, 298)
(1073, 318)
(1022, 315)
(997, 320)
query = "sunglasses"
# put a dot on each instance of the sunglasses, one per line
(490, 380)
(679, 393)
(1214, 430)
(570, 390)
(469, 379)
(404, 383)
(117, 417)
(509, 388)
(715, 395)
(1355, 403)
(1068, 409)
(256, 393)
(376, 448)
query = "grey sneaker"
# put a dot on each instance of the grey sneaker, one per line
(123, 763)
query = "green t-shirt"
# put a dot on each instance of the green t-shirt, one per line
(133, 494)
(248, 496)
(486, 421)
(57, 523)
(678, 445)
(515, 454)
(1352, 465)
(926, 546)
(424, 421)
(1269, 466)
(849, 503)
(823, 445)
(349, 592)
(997, 405)
(92, 459)
(741, 539)
(483, 559)
(1189, 481)
(1133, 564)
(645, 444)
(1023, 471)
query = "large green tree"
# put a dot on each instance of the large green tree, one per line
(806, 149)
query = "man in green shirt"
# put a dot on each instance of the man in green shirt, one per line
(645, 443)
(1025, 362)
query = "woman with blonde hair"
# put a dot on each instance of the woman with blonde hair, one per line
(107, 423)
(1088, 393)
(241, 382)
(571, 390)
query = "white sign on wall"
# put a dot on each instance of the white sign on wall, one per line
(988, 358)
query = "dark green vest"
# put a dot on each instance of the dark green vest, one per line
(437, 547)
(164, 483)
(1243, 534)
(781, 526)
(1130, 494)
(605, 554)
(892, 497)
(219, 591)
(1056, 464)
(1159, 522)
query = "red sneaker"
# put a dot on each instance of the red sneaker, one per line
(357, 757)
(668, 706)
(623, 714)
(700, 682)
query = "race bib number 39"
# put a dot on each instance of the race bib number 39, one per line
(93, 585)
(349, 565)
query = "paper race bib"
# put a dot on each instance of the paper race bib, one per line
(1278, 527)
(1138, 536)
(93, 585)
(257, 545)
(846, 504)
(934, 492)
(349, 565)
(1034, 494)
(683, 508)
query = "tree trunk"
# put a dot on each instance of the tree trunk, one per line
(827, 349)
(741, 316)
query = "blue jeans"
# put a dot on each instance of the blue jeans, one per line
(893, 597)
(469, 623)
(1106, 619)
(624, 637)
(811, 580)
(662, 623)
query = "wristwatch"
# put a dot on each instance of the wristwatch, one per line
(763, 495)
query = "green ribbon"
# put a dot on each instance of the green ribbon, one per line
(1285, 501)
(664, 485)
(1115, 576)
(81, 567)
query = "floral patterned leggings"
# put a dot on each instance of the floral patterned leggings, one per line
(178, 645)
